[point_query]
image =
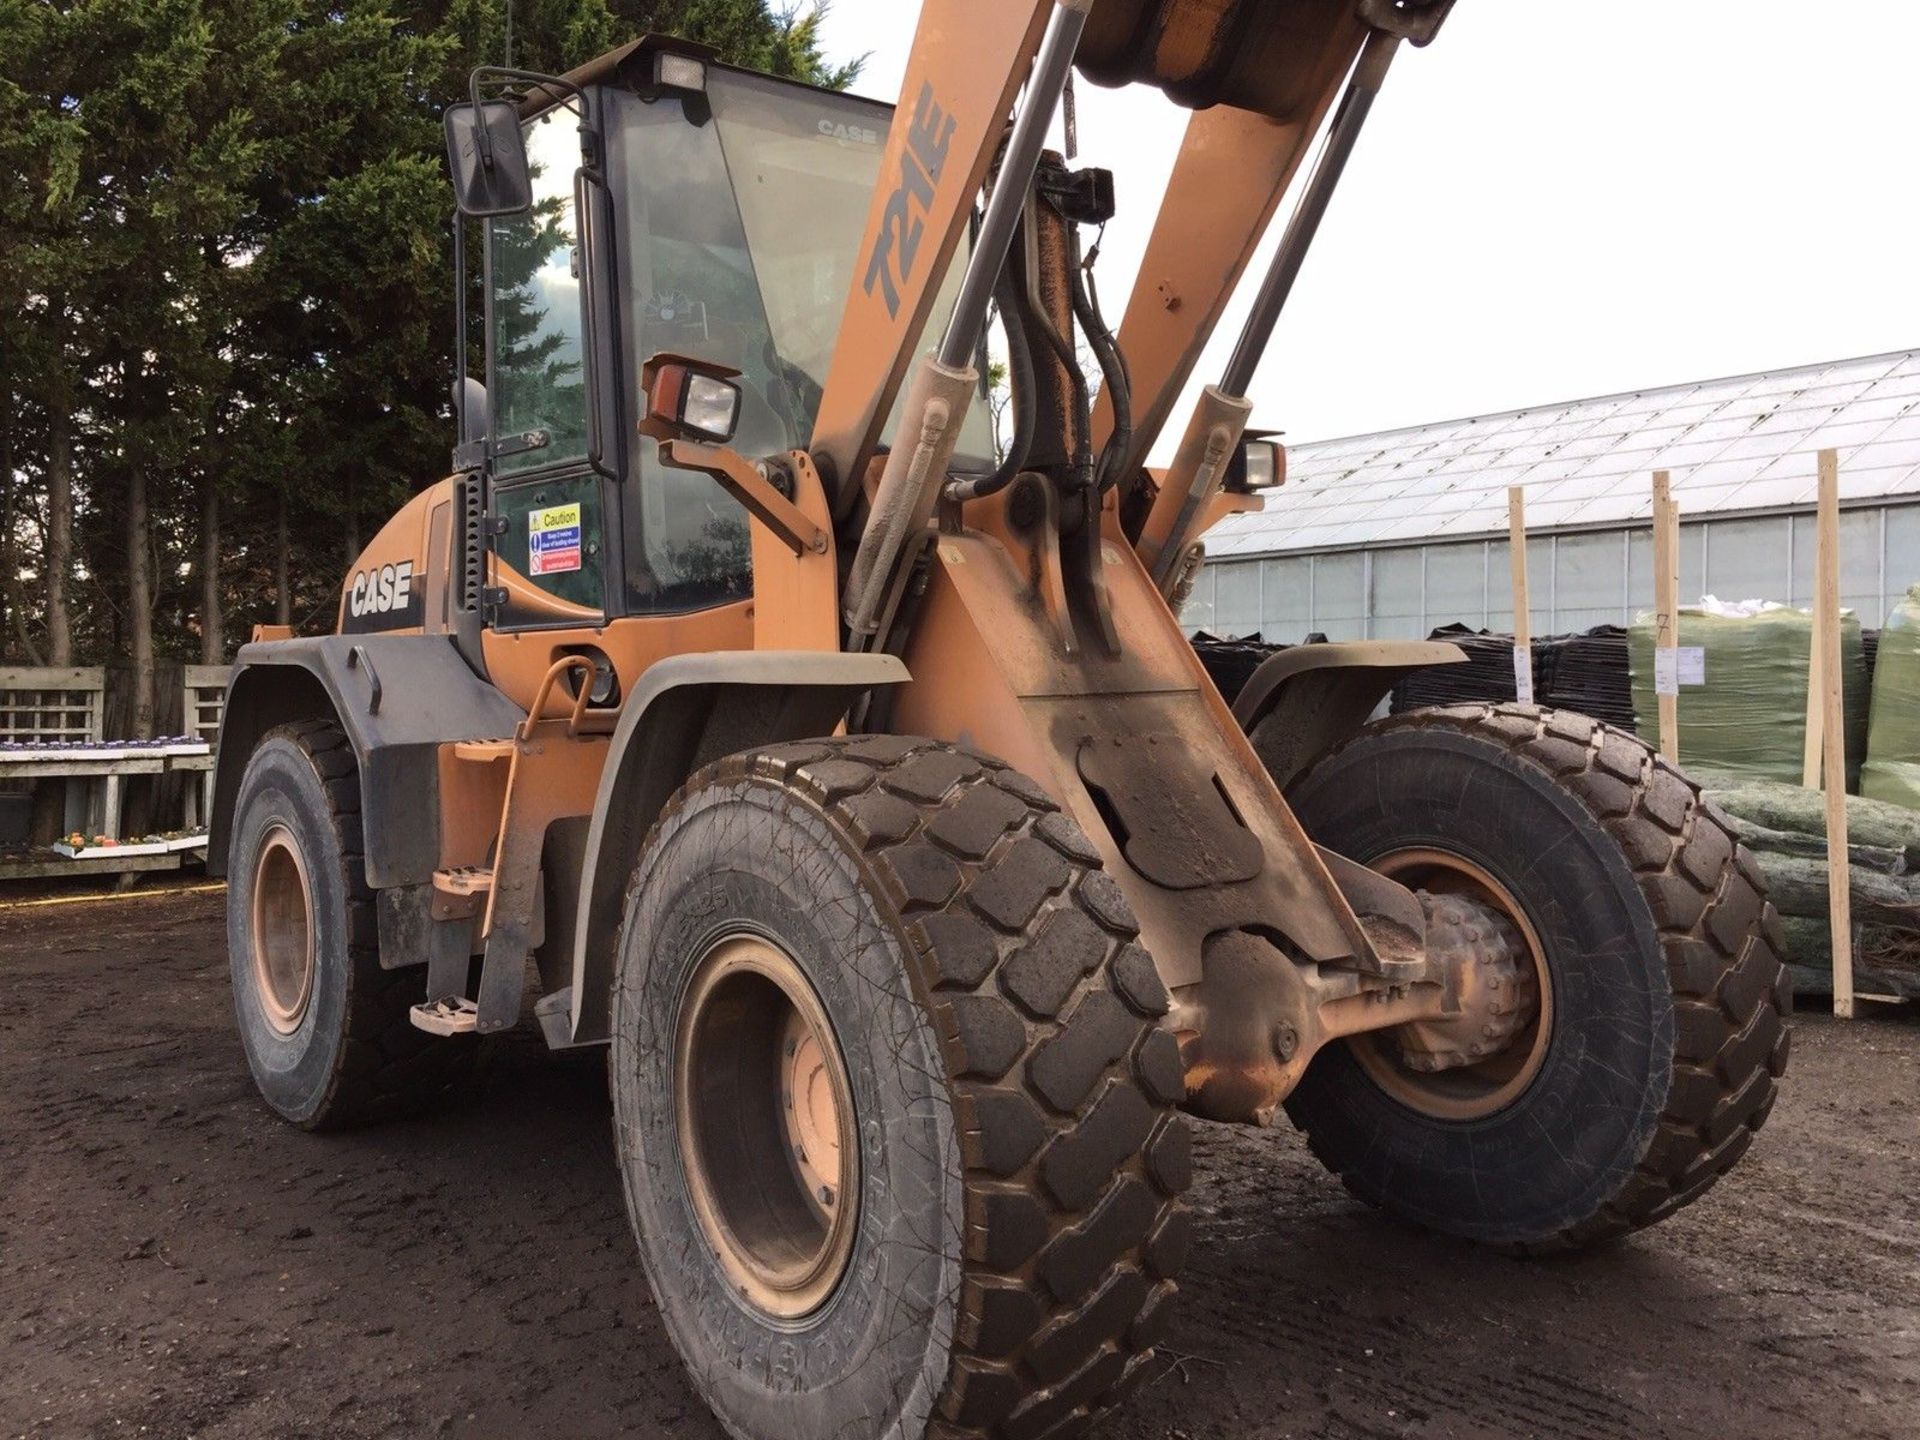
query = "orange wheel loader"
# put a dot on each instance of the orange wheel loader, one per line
(734, 703)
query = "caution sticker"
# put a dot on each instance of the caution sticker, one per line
(553, 540)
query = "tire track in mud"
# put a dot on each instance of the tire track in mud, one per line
(172, 1257)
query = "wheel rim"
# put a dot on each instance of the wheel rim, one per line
(766, 1126)
(1470, 1092)
(282, 928)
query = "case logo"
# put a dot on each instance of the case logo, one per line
(376, 592)
(848, 134)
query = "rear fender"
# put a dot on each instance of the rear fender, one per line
(1305, 700)
(398, 697)
(687, 712)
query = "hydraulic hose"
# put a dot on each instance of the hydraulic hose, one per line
(1020, 380)
(1113, 367)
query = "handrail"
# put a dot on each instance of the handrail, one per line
(554, 672)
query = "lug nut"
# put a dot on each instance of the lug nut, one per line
(1285, 1041)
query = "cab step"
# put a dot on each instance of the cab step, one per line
(455, 1015)
(461, 892)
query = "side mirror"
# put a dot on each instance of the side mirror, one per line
(690, 399)
(470, 408)
(487, 156)
(1260, 465)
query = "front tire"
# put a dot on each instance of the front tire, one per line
(988, 1133)
(1664, 995)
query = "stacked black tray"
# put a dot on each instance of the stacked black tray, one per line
(1587, 673)
(1487, 675)
(1231, 663)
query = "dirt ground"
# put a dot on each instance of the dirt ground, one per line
(176, 1262)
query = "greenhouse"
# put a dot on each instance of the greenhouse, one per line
(1393, 534)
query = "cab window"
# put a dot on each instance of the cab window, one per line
(551, 558)
(537, 374)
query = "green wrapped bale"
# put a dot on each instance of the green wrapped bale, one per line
(1892, 771)
(1873, 826)
(1885, 961)
(1784, 828)
(1749, 720)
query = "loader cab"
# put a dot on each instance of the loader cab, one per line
(673, 206)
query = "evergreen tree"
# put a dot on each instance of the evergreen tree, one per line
(225, 291)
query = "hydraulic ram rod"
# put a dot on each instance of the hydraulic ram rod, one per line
(1009, 198)
(1220, 416)
(1368, 74)
(939, 392)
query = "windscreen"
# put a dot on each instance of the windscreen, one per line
(739, 231)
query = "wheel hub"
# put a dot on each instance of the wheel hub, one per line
(811, 1110)
(1482, 1054)
(281, 926)
(1494, 986)
(766, 1126)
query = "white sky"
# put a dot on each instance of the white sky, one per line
(1557, 200)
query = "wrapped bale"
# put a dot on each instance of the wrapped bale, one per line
(1886, 961)
(1892, 771)
(1749, 720)
(1784, 828)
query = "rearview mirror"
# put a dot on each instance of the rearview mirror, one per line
(487, 156)
(690, 399)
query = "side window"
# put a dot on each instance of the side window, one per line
(551, 560)
(537, 379)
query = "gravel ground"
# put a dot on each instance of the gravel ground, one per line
(176, 1262)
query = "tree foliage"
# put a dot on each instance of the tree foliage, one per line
(225, 289)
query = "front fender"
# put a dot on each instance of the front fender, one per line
(687, 712)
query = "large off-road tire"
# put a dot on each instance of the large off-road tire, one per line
(1004, 1099)
(1664, 999)
(324, 1027)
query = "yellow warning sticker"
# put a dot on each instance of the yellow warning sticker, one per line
(553, 540)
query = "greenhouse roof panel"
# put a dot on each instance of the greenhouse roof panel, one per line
(1738, 444)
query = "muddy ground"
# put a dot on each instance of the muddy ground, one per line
(176, 1262)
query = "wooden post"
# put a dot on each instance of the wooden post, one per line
(1666, 613)
(1522, 608)
(1833, 731)
(1816, 667)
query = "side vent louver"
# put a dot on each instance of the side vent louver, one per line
(473, 544)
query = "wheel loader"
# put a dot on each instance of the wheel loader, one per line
(736, 704)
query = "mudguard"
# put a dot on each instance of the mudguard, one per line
(687, 712)
(1306, 699)
(398, 697)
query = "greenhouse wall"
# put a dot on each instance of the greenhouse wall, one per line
(1576, 579)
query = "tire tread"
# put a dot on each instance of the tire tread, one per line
(1717, 931)
(385, 1066)
(1026, 957)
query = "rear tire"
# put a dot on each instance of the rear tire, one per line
(1017, 1156)
(326, 1030)
(1668, 995)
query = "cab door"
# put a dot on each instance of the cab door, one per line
(550, 495)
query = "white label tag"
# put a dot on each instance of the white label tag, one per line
(1523, 673)
(1666, 670)
(1693, 664)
